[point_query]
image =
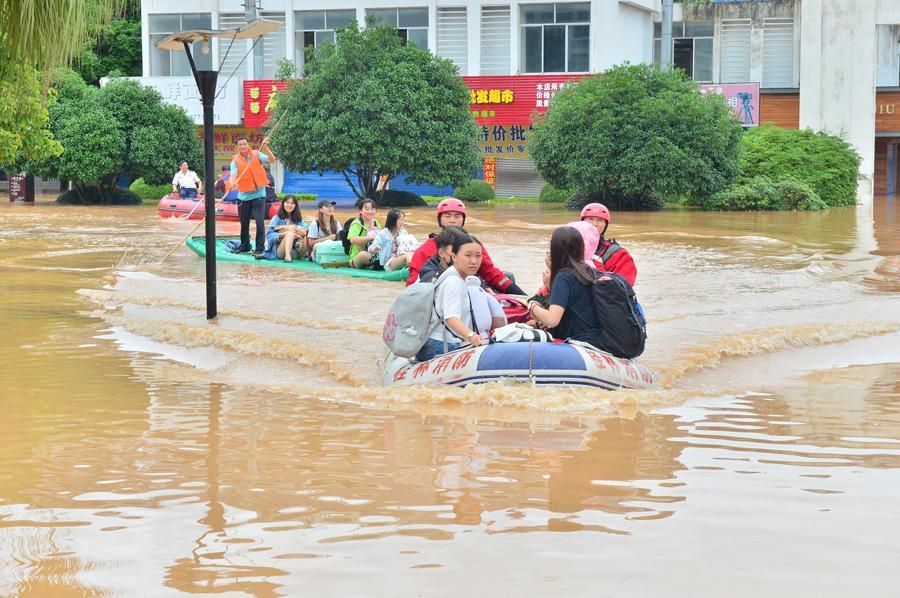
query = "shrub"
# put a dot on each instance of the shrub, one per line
(474, 191)
(96, 195)
(551, 194)
(827, 164)
(638, 135)
(301, 197)
(395, 198)
(762, 193)
(145, 191)
(613, 202)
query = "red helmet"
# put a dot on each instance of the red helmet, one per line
(451, 204)
(597, 210)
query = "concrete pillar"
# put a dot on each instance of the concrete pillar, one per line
(837, 74)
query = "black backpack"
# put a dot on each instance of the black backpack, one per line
(342, 235)
(623, 328)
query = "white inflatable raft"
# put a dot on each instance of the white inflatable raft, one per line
(537, 363)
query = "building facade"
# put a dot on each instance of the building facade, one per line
(814, 63)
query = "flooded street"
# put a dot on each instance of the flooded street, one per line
(149, 452)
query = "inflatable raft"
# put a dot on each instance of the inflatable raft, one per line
(198, 246)
(537, 363)
(173, 205)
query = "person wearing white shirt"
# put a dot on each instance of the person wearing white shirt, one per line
(186, 182)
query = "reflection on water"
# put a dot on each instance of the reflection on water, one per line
(146, 451)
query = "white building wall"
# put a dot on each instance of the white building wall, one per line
(632, 24)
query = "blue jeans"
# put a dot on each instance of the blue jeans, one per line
(432, 348)
(188, 193)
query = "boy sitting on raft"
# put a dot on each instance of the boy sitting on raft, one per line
(452, 212)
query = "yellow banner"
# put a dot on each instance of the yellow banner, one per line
(504, 141)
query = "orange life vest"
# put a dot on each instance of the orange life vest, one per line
(255, 176)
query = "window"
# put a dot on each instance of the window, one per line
(165, 63)
(778, 52)
(692, 45)
(495, 40)
(734, 55)
(555, 38)
(452, 36)
(316, 27)
(411, 23)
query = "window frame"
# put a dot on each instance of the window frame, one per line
(201, 59)
(678, 34)
(567, 28)
(300, 34)
(403, 32)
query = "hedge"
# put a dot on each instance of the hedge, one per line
(474, 191)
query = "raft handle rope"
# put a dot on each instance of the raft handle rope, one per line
(531, 361)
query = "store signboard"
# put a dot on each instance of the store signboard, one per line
(225, 144)
(742, 98)
(504, 141)
(182, 91)
(514, 98)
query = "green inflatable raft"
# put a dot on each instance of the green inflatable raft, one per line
(198, 246)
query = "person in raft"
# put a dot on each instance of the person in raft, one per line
(186, 182)
(286, 233)
(440, 261)
(221, 186)
(323, 228)
(248, 175)
(452, 212)
(590, 237)
(362, 231)
(571, 313)
(614, 258)
(392, 246)
(451, 319)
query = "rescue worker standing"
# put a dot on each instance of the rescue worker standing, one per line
(248, 174)
(614, 257)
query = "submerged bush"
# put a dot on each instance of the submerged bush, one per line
(475, 191)
(762, 193)
(145, 191)
(826, 163)
(551, 194)
(395, 198)
(95, 195)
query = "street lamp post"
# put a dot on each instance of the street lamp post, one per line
(206, 84)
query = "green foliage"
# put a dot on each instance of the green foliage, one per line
(97, 195)
(145, 191)
(285, 70)
(301, 197)
(116, 52)
(395, 198)
(551, 194)
(121, 129)
(410, 114)
(762, 193)
(645, 204)
(635, 136)
(24, 119)
(828, 164)
(474, 191)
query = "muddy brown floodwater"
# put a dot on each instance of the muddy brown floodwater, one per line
(147, 452)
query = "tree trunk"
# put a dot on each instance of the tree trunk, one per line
(346, 174)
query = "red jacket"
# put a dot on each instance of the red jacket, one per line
(488, 272)
(620, 262)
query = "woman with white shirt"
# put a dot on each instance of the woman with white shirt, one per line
(186, 182)
(452, 320)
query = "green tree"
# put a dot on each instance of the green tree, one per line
(120, 129)
(116, 50)
(636, 136)
(370, 106)
(24, 110)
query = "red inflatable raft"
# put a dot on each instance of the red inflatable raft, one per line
(173, 205)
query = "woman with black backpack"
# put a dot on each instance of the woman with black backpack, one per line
(571, 313)
(595, 308)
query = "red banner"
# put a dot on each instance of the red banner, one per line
(259, 101)
(490, 171)
(513, 98)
